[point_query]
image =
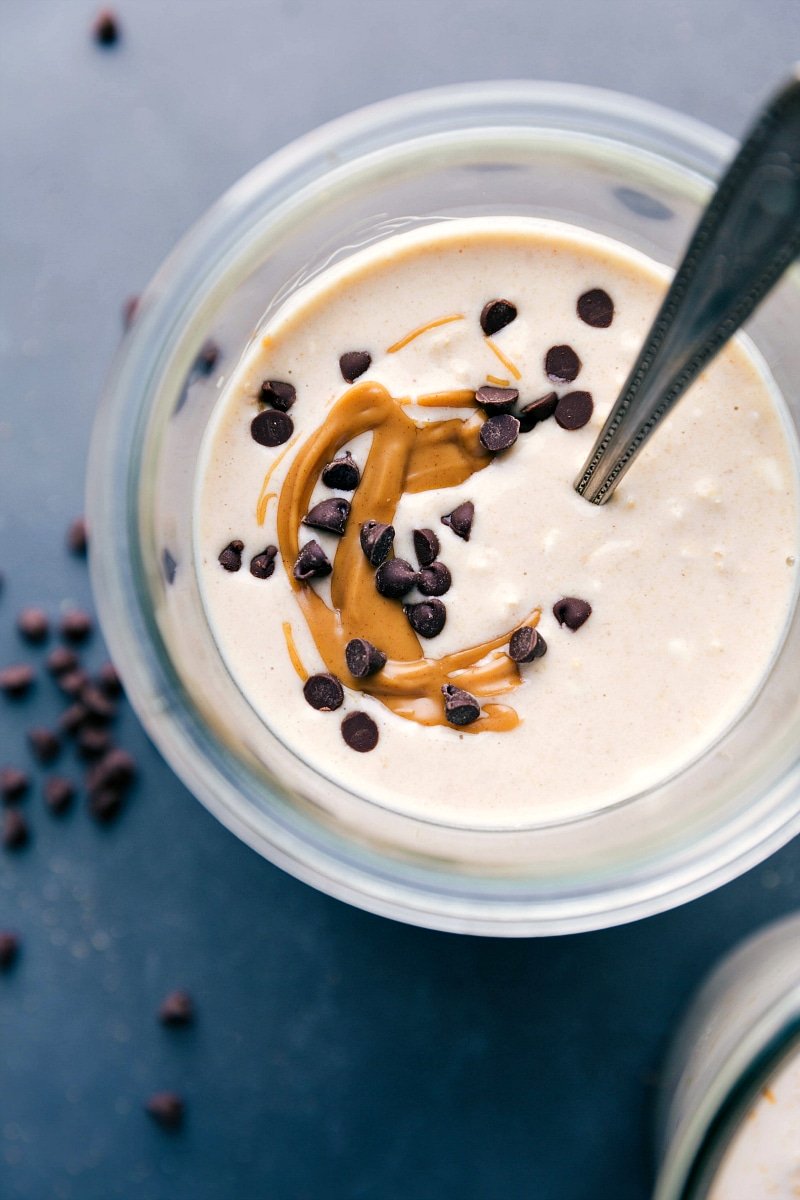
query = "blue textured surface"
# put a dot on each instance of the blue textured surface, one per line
(336, 1055)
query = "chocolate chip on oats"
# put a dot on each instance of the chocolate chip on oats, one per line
(496, 315)
(271, 427)
(376, 541)
(572, 612)
(435, 579)
(330, 515)
(33, 624)
(353, 364)
(342, 473)
(596, 308)
(16, 679)
(116, 769)
(363, 658)
(93, 741)
(167, 1109)
(426, 618)
(130, 308)
(536, 411)
(98, 705)
(72, 683)
(73, 717)
(207, 357)
(15, 831)
(177, 1008)
(460, 707)
(460, 520)
(278, 393)
(14, 783)
(360, 732)
(395, 578)
(76, 625)
(44, 744)
(574, 410)
(108, 679)
(426, 546)
(168, 565)
(499, 433)
(526, 644)
(496, 400)
(311, 563)
(9, 949)
(231, 557)
(323, 692)
(58, 793)
(561, 364)
(78, 538)
(105, 28)
(263, 565)
(61, 659)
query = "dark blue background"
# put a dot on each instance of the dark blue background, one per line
(336, 1055)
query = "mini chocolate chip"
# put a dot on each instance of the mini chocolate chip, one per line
(16, 679)
(33, 624)
(263, 565)
(561, 364)
(536, 411)
(496, 400)
(168, 565)
(353, 364)
(73, 717)
(76, 625)
(360, 732)
(434, 580)
(526, 644)
(44, 744)
(278, 394)
(105, 29)
(14, 783)
(129, 311)
(460, 520)
(15, 829)
(496, 315)
(72, 683)
(499, 433)
(426, 546)
(78, 538)
(9, 949)
(207, 358)
(342, 473)
(572, 612)
(330, 514)
(460, 707)
(395, 578)
(596, 308)
(376, 541)
(105, 804)
(271, 427)
(61, 659)
(58, 793)
(167, 1109)
(426, 618)
(574, 410)
(92, 741)
(312, 563)
(116, 769)
(176, 1008)
(231, 557)
(363, 658)
(323, 692)
(108, 680)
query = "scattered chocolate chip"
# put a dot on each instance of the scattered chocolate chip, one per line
(574, 410)
(271, 427)
(460, 707)
(16, 679)
(105, 804)
(169, 566)
(207, 358)
(167, 1109)
(15, 833)
(93, 741)
(460, 520)
(526, 644)
(360, 732)
(323, 692)
(9, 949)
(61, 659)
(395, 578)
(596, 308)
(78, 538)
(129, 311)
(376, 541)
(72, 683)
(330, 515)
(342, 473)
(116, 769)
(496, 400)
(363, 658)
(263, 565)
(426, 618)
(73, 717)
(44, 744)
(353, 364)
(496, 315)
(426, 546)
(176, 1008)
(231, 557)
(499, 433)
(278, 394)
(105, 29)
(14, 783)
(561, 364)
(58, 793)
(76, 625)
(312, 563)
(572, 612)
(434, 580)
(536, 411)
(33, 624)
(108, 680)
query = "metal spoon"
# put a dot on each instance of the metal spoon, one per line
(745, 240)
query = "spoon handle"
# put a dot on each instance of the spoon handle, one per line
(745, 240)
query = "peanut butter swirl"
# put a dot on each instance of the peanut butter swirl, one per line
(404, 457)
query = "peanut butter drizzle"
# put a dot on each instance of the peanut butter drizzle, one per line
(264, 496)
(496, 381)
(403, 457)
(409, 337)
(291, 650)
(504, 359)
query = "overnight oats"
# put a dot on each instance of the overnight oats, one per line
(396, 568)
